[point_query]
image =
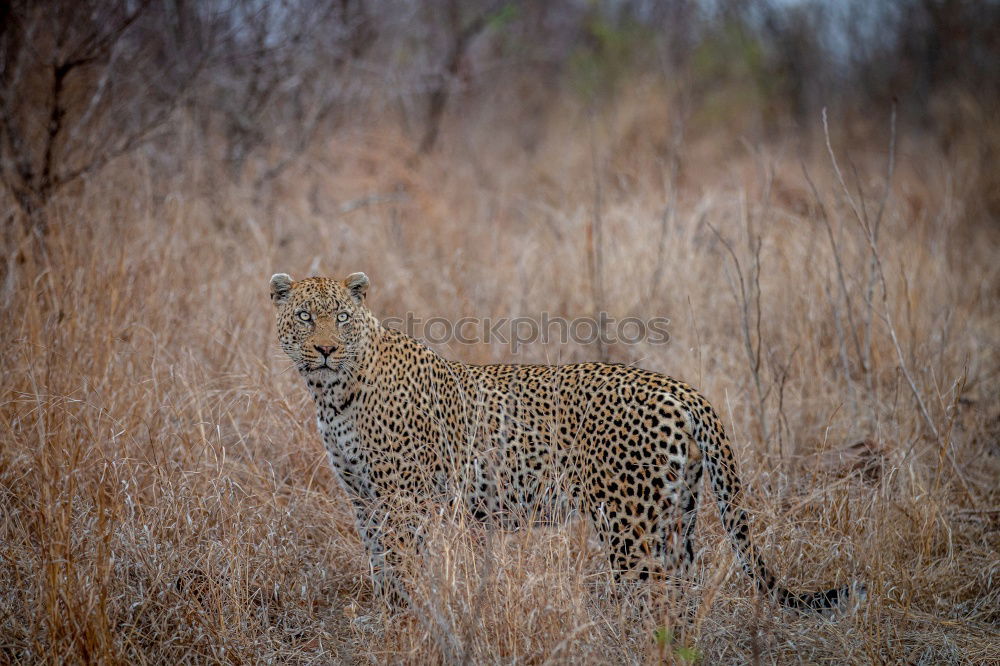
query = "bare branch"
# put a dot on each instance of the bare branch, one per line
(753, 355)
(870, 290)
(841, 279)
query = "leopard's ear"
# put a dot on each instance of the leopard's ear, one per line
(357, 285)
(281, 287)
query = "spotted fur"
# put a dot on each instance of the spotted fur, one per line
(512, 443)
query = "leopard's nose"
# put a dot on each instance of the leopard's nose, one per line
(325, 350)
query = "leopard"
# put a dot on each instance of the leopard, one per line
(512, 444)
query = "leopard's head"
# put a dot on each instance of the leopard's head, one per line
(323, 323)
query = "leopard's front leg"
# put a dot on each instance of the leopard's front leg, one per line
(373, 516)
(386, 538)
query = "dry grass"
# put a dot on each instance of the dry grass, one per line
(164, 497)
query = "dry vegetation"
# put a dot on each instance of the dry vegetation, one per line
(164, 496)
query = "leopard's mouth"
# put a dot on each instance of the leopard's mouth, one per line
(332, 364)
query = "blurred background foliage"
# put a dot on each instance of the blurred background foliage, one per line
(82, 83)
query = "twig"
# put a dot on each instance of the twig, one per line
(840, 176)
(670, 210)
(841, 280)
(842, 347)
(753, 356)
(595, 243)
(870, 290)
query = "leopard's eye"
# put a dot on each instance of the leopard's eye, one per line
(342, 317)
(305, 316)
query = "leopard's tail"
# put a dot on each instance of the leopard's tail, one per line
(728, 489)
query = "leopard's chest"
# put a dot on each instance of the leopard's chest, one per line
(336, 422)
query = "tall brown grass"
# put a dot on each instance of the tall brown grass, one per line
(164, 497)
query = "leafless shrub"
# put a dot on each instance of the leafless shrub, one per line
(81, 84)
